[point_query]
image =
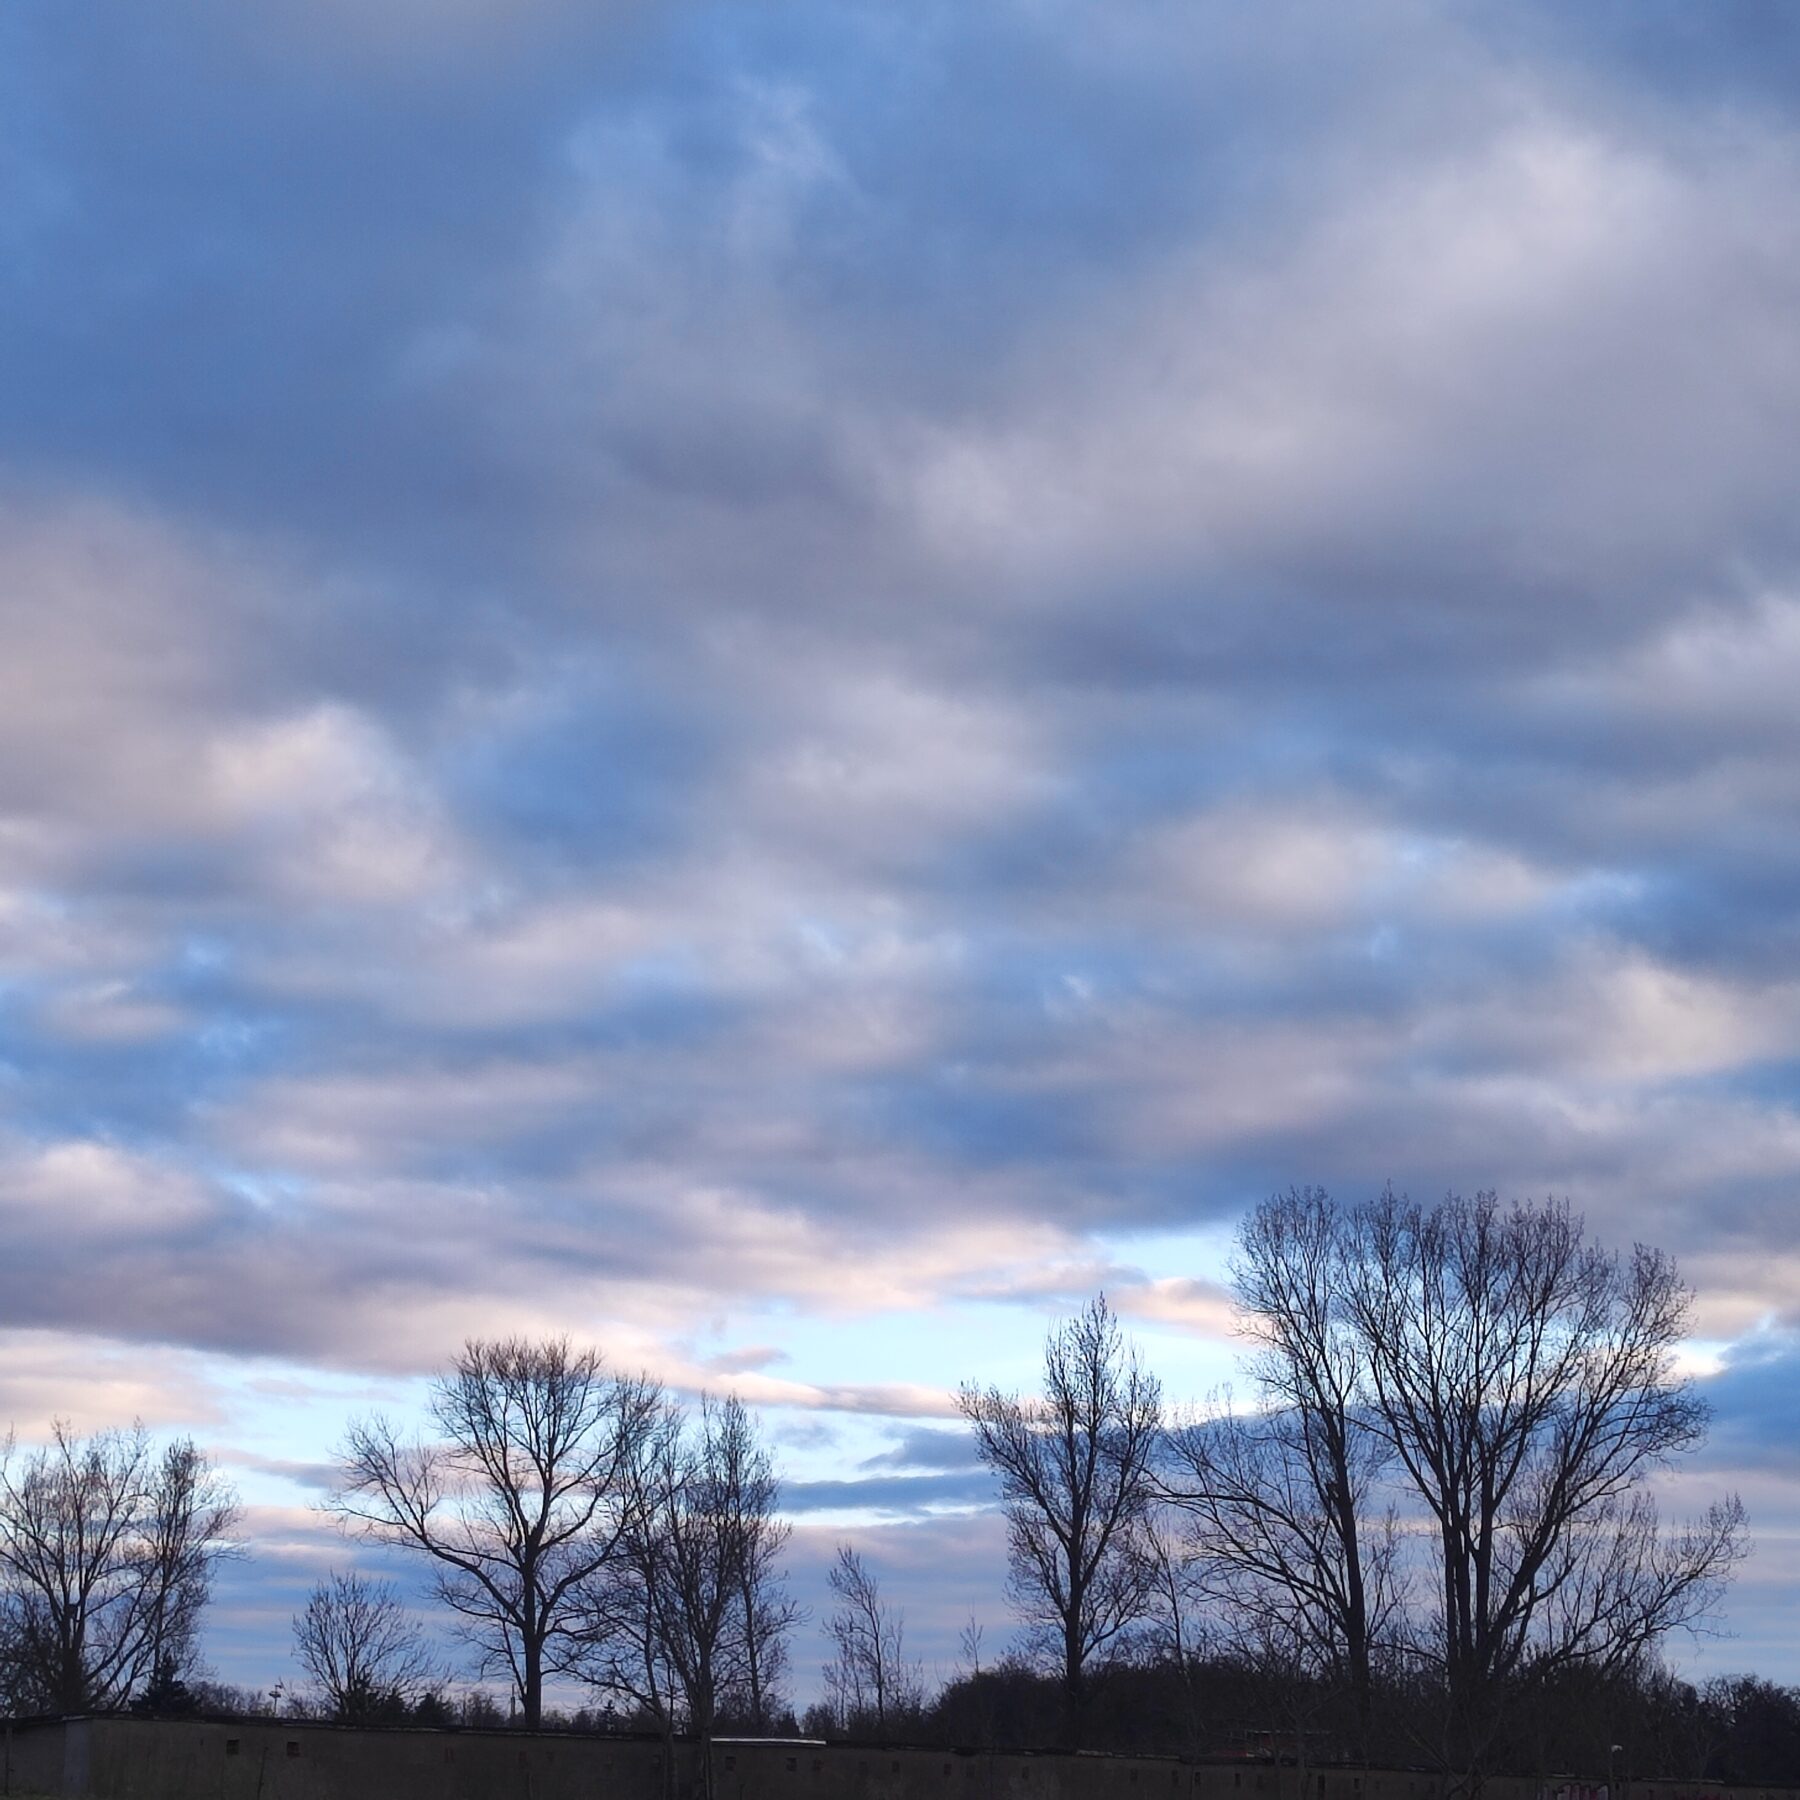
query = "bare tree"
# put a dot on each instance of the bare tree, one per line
(1523, 1378)
(767, 1613)
(1288, 1690)
(968, 1650)
(870, 1681)
(694, 1615)
(1279, 1498)
(192, 1513)
(1074, 1468)
(1463, 1403)
(362, 1650)
(523, 1496)
(107, 1550)
(1175, 1593)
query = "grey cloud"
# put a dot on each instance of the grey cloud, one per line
(926, 1447)
(904, 1496)
(317, 1477)
(1756, 1410)
(752, 1357)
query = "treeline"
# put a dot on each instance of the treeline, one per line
(1733, 1730)
(1424, 1537)
(1642, 1724)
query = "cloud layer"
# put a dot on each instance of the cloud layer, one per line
(670, 668)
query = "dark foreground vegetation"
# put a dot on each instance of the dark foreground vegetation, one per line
(1425, 1538)
(1737, 1730)
(1733, 1730)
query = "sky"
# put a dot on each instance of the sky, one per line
(782, 684)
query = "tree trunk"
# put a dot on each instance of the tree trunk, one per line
(1074, 1699)
(531, 1696)
(72, 1694)
(703, 1735)
(753, 1654)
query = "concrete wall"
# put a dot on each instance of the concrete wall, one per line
(133, 1759)
(34, 1755)
(136, 1759)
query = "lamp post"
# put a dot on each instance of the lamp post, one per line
(1612, 1751)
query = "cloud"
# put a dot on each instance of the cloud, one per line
(1753, 1404)
(672, 675)
(1202, 1307)
(900, 1496)
(1011, 853)
(95, 1385)
(927, 1448)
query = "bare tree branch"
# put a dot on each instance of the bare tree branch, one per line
(1462, 1404)
(524, 1494)
(693, 1615)
(1280, 1498)
(1074, 1468)
(871, 1681)
(107, 1550)
(362, 1651)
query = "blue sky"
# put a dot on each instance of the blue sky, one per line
(782, 684)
